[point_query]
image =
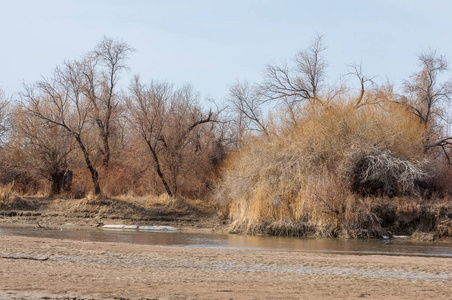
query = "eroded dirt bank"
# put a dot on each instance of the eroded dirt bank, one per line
(89, 270)
(421, 222)
(82, 213)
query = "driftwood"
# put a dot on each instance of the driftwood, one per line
(25, 257)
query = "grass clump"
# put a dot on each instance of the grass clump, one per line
(9, 200)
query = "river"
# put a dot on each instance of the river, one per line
(182, 238)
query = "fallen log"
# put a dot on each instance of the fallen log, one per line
(25, 257)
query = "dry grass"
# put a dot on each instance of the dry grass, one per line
(140, 208)
(304, 178)
(10, 200)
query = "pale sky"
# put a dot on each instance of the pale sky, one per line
(211, 44)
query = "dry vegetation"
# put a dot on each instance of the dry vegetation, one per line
(335, 163)
(341, 171)
(96, 210)
(328, 160)
(10, 200)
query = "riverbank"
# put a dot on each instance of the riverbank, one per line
(54, 213)
(42, 268)
(419, 222)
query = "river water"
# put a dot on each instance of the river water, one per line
(232, 241)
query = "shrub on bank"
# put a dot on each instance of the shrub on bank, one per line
(325, 174)
(374, 172)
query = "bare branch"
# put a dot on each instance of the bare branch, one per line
(426, 97)
(247, 106)
(301, 84)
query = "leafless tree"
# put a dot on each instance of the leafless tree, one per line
(3, 115)
(59, 101)
(426, 96)
(4, 127)
(246, 104)
(40, 149)
(364, 82)
(102, 69)
(300, 83)
(369, 93)
(167, 119)
(148, 106)
(425, 93)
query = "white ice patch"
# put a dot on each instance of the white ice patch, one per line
(160, 228)
(400, 236)
(120, 226)
(153, 228)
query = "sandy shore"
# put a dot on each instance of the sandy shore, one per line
(39, 268)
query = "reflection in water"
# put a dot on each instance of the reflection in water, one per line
(229, 241)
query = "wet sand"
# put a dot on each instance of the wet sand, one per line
(41, 268)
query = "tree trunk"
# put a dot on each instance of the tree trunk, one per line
(67, 180)
(56, 183)
(92, 170)
(159, 170)
(106, 159)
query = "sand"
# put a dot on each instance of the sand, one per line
(67, 269)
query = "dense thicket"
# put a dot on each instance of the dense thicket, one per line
(331, 158)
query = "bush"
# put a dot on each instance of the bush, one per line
(309, 177)
(375, 172)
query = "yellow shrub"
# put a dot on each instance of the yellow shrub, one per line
(295, 180)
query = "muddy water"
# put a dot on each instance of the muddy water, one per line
(228, 241)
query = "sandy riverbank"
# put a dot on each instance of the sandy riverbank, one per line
(88, 270)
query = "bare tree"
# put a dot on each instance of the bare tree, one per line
(167, 119)
(425, 93)
(5, 175)
(147, 107)
(59, 101)
(426, 96)
(40, 149)
(3, 115)
(102, 68)
(300, 83)
(369, 92)
(246, 104)
(364, 82)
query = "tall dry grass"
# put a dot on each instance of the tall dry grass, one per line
(7, 193)
(10, 200)
(326, 173)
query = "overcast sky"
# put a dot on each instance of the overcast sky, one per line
(211, 44)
